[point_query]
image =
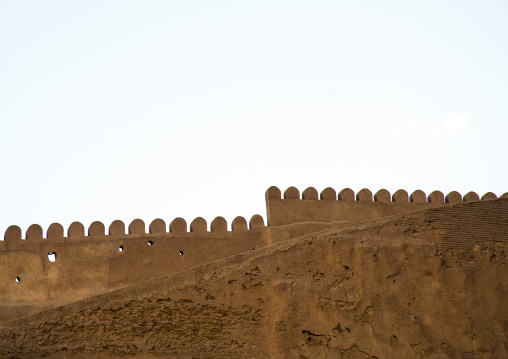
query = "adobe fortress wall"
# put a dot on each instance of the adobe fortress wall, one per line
(292, 214)
(345, 207)
(96, 262)
(429, 283)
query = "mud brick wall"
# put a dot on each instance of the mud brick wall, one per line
(372, 290)
(463, 226)
(347, 207)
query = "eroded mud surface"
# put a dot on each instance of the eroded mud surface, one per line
(389, 290)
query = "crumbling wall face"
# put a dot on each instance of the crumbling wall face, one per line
(426, 283)
(383, 290)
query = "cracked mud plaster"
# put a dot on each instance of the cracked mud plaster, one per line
(374, 293)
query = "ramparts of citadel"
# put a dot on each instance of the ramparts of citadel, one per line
(331, 275)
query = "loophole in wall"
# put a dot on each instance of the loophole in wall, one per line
(52, 256)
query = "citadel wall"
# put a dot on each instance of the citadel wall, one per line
(97, 262)
(426, 284)
(345, 207)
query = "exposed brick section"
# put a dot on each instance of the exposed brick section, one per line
(466, 224)
(160, 326)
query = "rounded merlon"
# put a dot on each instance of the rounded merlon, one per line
(116, 228)
(382, 196)
(272, 193)
(292, 193)
(347, 194)
(436, 197)
(310, 193)
(55, 231)
(198, 225)
(96, 229)
(219, 225)
(76, 230)
(256, 221)
(453, 197)
(239, 224)
(328, 194)
(418, 196)
(471, 197)
(178, 226)
(157, 226)
(489, 196)
(400, 196)
(13, 233)
(137, 226)
(34, 232)
(364, 195)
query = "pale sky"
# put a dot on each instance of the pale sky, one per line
(162, 109)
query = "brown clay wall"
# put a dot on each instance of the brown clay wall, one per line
(381, 289)
(464, 226)
(345, 207)
(93, 264)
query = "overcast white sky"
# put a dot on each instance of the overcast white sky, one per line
(145, 109)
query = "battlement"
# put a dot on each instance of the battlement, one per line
(117, 230)
(346, 207)
(278, 213)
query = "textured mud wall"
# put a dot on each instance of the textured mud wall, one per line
(345, 207)
(468, 224)
(98, 263)
(391, 288)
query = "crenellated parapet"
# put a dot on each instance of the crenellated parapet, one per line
(34, 235)
(345, 207)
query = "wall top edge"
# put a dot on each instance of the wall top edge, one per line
(382, 196)
(117, 228)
